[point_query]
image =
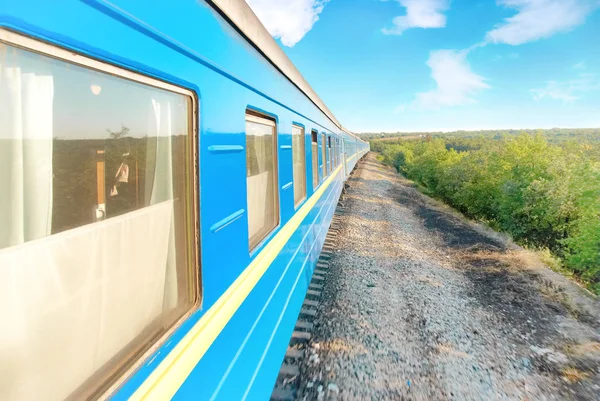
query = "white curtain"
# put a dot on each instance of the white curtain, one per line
(259, 202)
(25, 155)
(162, 185)
(162, 135)
(70, 302)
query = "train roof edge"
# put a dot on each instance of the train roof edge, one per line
(244, 19)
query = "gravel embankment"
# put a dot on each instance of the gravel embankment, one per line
(420, 304)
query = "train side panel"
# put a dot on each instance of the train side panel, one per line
(203, 53)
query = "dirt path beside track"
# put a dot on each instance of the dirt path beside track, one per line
(420, 304)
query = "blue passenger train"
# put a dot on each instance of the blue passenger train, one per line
(168, 179)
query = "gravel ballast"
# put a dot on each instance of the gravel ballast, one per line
(420, 304)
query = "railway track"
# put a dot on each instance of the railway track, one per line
(434, 307)
(288, 381)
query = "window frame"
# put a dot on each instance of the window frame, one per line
(113, 378)
(258, 117)
(303, 142)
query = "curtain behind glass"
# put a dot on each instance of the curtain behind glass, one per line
(26, 113)
(315, 163)
(261, 181)
(298, 164)
(90, 223)
(324, 156)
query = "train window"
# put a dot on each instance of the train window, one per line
(261, 177)
(324, 154)
(332, 146)
(330, 158)
(335, 152)
(99, 229)
(315, 158)
(298, 164)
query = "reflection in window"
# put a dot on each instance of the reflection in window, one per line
(96, 242)
(298, 164)
(315, 158)
(261, 177)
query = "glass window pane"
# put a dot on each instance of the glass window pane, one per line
(324, 156)
(98, 230)
(315, 159)
(299, 164)
(334, 152)
(261, 178)
(329, 158)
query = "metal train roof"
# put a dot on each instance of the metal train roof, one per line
(244, 19)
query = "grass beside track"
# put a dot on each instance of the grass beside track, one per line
(545, 195)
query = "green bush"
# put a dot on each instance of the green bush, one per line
(544, 194)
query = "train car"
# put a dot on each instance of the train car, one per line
(168, 178)
(356, 149)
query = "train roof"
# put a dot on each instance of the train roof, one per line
(243, 18)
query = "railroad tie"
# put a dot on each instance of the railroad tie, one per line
(294, 353)
(289, 370)
(317, 277)
(320, 272)
(310, 302)
(308, 312)
(301, 336)
(303, 324)
(279, 394)
(314, 286)
(313, 293)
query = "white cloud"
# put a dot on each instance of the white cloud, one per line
(419, 14)
(536, 19)
(580, 65)
(456, 83)
(288, 20)
(567, 91)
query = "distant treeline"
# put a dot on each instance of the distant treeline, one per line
(553, 135)
(544, 193)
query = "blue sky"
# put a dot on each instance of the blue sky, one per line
(440, 65)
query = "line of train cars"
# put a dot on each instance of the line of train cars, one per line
(168, 179)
